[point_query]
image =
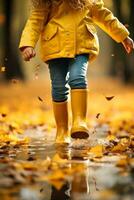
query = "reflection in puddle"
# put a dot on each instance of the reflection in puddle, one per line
(79, 177)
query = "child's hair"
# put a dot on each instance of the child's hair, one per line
(75, 4)
(79, 4)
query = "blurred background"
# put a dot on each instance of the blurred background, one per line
(112, 61)
(26, 114)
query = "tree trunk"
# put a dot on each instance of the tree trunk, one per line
(120, 64)
(11, 59)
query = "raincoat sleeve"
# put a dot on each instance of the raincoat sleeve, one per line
(105, 19)
(33, 27)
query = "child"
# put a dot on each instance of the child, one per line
(68, 41)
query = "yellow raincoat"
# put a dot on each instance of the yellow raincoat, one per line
(65, 32)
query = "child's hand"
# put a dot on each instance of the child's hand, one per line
(128, 44)
(28, 53)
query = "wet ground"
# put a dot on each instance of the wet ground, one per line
(41, 170)
(90, 180)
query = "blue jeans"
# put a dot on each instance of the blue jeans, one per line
(65, 72)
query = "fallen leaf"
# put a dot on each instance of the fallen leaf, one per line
(97, 151)
(111, 137)
(123, 162)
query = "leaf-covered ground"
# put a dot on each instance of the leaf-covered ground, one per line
(33, 167)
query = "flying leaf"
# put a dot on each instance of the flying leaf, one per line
(126, 25)
(110, 98)
(97, 116)
(31, 158)
(3, 115)
(14, 81)
(3, 69)
(42, 189)
(40, 99)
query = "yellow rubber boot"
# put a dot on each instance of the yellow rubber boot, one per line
(79, 111)
(61, 118)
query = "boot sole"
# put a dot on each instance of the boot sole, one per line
(80, 135)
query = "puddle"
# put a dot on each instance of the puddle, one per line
(97, 181)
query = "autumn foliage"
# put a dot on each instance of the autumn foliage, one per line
(26, 118)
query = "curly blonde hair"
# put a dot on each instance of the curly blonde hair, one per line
(75, 4)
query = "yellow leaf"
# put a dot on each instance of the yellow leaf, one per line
(111, 137)
(97, 151)
(57, 158)
(57, 183)
(118, 148)
(122, 163)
